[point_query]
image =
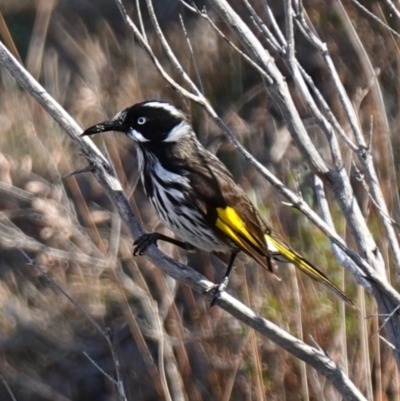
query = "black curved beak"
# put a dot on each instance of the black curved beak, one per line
(105, 126)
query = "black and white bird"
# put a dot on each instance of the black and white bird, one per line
(195, 195)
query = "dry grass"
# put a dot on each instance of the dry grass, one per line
(70, 228)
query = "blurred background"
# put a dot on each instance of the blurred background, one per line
(166, 337)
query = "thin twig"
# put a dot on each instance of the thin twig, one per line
(189, 43)
(316, 345)
(105, 333)
(325, 107)
(139, 11)
(388, 318)
(151, 54)
(389, 344)
(359, 177)
(266, 38)
(375, 18)
(168, 50)
(120, 383)
(161, 355)
(280, 47)
(203, 14)
(274, 24)
(110, 378)
(8, 388)
(31, 262)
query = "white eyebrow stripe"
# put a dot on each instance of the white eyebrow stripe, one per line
(168, 107)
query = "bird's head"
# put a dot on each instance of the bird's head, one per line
(150, 121)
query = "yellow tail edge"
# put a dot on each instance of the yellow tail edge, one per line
(307, 268)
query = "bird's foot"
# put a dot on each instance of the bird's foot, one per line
(143, 242)
(217, 289)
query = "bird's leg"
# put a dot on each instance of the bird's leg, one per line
(221, 286)
(145, 240)
(269, 263)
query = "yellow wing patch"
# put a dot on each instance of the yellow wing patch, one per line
(231, 224)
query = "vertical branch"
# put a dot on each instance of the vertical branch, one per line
(290, 45)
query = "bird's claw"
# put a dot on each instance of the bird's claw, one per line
(217, 289)
(143, 242)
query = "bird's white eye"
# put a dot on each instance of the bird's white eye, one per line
(141, 120)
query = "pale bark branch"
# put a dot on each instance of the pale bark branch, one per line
(375, 18)
(341, 257)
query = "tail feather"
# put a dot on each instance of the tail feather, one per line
(276, 246)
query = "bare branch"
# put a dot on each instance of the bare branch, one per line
(147, 48)
(274, 23)
(139, 11)
(169, 51)
(393, 8)
(191, 53)
(375, 18)
(203, 14)
(119, 382)
(289, 54)
(361, 179)
(94, 363)
(280, 47)
(277, 85)
(390, 316)
(4, 381)
(331, 117)
(341, 257)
